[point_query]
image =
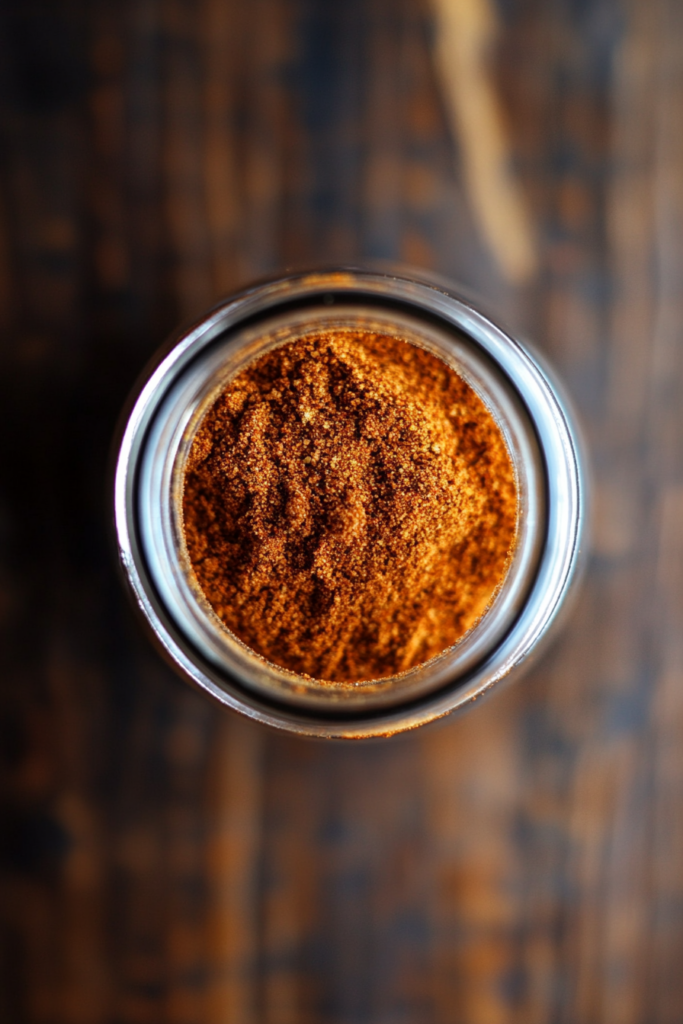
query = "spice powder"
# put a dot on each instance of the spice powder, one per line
(350, 506)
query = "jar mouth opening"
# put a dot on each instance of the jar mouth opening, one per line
(160, 492)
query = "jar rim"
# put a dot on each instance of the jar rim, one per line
(150, 467)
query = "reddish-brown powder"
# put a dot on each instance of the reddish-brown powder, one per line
(350, 506)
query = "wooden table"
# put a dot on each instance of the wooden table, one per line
(164, 862)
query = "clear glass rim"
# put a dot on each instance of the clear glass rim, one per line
(161, 489)
(554, 506)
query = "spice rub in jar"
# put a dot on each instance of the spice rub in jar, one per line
(350, 506)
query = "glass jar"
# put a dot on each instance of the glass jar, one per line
(519, 392)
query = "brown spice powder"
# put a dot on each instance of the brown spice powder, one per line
(350, 506)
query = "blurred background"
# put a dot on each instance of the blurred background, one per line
(166, 862)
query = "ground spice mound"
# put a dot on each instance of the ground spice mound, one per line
(349, 506)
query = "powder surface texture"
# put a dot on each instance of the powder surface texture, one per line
(350, 506)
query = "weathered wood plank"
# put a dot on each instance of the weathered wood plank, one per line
(163, 862)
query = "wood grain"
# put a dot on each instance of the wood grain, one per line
(164, 862)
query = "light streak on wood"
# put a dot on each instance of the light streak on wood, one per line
(221, 23)
(465, 32)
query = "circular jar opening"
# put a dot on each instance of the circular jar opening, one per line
(349, 504)
(152, 475)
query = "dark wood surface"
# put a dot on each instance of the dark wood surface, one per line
(164, 862)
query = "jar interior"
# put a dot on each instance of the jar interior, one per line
(160, 495)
